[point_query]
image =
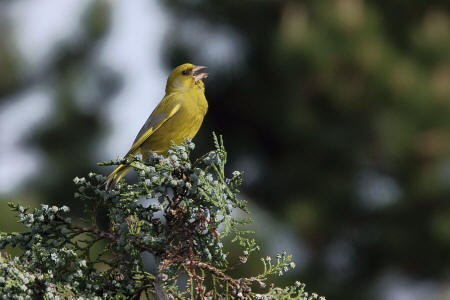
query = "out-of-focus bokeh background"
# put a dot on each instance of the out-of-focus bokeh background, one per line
(337, 111)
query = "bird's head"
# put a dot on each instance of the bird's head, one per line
(186, 76)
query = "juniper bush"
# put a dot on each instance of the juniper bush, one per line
(184, 227)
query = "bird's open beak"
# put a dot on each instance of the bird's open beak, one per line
(198, 76)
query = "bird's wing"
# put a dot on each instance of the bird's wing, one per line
(165, 110)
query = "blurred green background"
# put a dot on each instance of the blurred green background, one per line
(337, 111)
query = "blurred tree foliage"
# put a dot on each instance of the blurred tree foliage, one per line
(79, 86)
(346, 106)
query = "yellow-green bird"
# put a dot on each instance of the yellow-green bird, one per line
(178, 116)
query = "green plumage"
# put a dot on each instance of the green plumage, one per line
(178, 116)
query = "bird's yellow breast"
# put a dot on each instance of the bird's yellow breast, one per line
(184, 124)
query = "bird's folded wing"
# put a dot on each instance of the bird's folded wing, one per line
(168, 107)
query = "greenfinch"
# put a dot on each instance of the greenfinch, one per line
(178, 116)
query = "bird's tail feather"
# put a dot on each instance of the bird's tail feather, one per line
(115, 176)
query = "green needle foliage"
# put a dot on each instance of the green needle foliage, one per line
(184, 228)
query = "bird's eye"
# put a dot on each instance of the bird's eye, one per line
(184, 72)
